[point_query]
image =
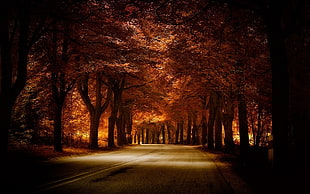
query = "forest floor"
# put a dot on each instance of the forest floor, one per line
(246, 178)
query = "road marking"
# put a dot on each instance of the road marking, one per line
(74, 178)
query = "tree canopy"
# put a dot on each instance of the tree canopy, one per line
(95, 72)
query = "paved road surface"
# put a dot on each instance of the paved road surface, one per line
(136, 169)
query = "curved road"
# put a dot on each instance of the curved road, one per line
(135, 169)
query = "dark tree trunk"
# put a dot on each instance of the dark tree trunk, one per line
(157, 137)
(57, 117)
(163, 133)
(5, 80)
(213, 105)
(212, 112)
(58, 128)
(117, 88)
(228, 117)
(59, 87)
(138, 135)
(258, 135)
(169, 134)
(181, 132)
(147, 135)
(177, 133)
(204, 129)
(189, 129)
(204, 126)
(228, 139)
(243, 127)
(121, 128)
(218, 130)
(94, 110)
(112, 121)
(120, 132)
(128, 125)
(280, 85)
(153, 137)
(195, 139)
(123, 123)
(94, 125)
(142, 135)
(9, 89)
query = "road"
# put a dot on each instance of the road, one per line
(135, 169)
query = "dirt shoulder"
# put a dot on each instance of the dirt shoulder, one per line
(226, 165)
(40, 153)
(255, 177)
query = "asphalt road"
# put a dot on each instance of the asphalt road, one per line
(136, 169)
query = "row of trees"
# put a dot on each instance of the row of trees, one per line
(72, 65)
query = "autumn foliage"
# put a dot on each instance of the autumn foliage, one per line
(105, 73)
(110, 73)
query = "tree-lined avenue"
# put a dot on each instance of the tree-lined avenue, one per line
(135, 169)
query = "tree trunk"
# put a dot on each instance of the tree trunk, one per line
(10, 90)
(128, 125)
(213, 105)
(204, 129)
(153, 136)
(228, 139)
(243, 127)
(195, 140)
(211, 120)
(177, 133)
(189, 129)
(142, 135)
(58, 128)
(181, 132)
(204, 126)
(169, 133)
(94, 125)
(138, 135)
(59, 89)
(94, 110)
(280, 85)
(113, 119)
(5, 81)
(157, 137)
(228, 117)
(163, 133)
(117, 88)
(259, 127)
(218, 130)
(147, 135)
(120, 126)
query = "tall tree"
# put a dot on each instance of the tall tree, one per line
(17, 38)
(228, 117)
(218, 124)
(213, 107)
(23, 23)
(189, 128)
(117, 86)
(60, 86)
(98, 107)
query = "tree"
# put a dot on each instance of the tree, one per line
(22, 25)
(228, 117)
(98, 107)
(10, 89)
(60, 86)
(117, 87)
